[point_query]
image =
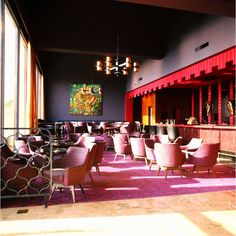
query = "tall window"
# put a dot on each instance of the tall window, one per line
(10, 69)
(22, 89)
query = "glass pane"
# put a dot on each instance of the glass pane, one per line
(10, 79)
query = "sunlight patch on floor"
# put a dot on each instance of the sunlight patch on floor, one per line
(163, 224)
(225, 218)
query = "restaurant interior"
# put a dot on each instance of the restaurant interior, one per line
(115, 112)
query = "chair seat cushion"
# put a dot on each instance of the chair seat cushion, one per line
(57, 175)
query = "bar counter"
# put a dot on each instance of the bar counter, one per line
(224, 134)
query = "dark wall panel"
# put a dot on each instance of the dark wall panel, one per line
(173, 104)
(61, 69)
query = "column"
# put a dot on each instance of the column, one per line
(200, 105)
(192, 106)
(209, 100)
(219, 102)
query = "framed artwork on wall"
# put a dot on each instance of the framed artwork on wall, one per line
(85, 99)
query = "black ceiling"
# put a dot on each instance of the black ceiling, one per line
(92, 26)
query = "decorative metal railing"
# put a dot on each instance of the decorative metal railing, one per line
(25, 154)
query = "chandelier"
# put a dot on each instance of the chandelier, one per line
(117, 68)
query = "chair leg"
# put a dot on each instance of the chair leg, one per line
(97, 169)
(180, 171)
(194, 167)
(166, 173)
(73, 193)
(150, 165)
(123, 157)
(211, 169)
(91, 177)
(146, 162)
(82, 189)
(115, 157)
(158, 170)
(53, 190)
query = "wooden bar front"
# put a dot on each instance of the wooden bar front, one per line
(225, 135)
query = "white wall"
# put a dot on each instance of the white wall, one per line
(218, 31)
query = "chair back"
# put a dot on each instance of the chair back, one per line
(124, 138)
(22, 147)
(149, 149)
(138, 146)
(169, 154)
(77, 161)
(194, 144)
(76, 156)
(81, 142)
(99, 152)
(69, 127)
(92, 153)
(120, 147)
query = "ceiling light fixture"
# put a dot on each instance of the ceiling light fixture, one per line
(117, 68)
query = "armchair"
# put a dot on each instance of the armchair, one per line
(169, 157)
(138, 148)
(70, 170)
(204, 157)
(70, 132)
(193, 145)
(121, 147)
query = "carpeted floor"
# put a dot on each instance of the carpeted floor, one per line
(127, 180)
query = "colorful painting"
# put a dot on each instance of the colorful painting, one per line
(85, 99)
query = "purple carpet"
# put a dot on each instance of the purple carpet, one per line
(126, 180)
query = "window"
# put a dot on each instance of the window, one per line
(22, 86)
(10, 70)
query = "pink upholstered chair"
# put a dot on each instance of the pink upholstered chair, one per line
(121, 147)
(92, 153)
(85, 141)
(169, 157)
(193, 145)
(204, 157)
(138, 149)
(70, 170)
(99, 154)
(22, 147)
(149, 148)
(124, 137)
(70, 132)
(109, 141)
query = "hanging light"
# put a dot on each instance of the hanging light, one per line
(113, 65)
(117, 68)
